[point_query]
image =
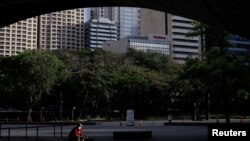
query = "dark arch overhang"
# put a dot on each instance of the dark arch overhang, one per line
(232, 16)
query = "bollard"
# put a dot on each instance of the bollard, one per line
(241, 119)
(120, 123)
(140, 124)
(169, 119)
(7, 119)
(217, 120)
(18, 120)
(43, 120)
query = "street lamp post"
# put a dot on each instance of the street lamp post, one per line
(61, 106)
(41, 114)
(73, 108)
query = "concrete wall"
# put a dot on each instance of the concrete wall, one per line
(119, 47)
(152, 21)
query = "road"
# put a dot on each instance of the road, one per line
(104, 132)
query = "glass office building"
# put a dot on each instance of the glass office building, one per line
(239, 45)
(128, 21)
(126, 18)
(153, 43)
(149, 45)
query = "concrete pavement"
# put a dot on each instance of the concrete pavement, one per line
(185, 131)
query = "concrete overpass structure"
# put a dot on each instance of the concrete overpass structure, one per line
(232, 16)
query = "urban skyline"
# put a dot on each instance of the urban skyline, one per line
(65, 29)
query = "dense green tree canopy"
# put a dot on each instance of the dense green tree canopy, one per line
(31, 74)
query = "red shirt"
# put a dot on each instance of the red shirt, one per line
(78, 132)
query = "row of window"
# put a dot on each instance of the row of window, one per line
(18, 40)
(59, 20)
(69, 46)
(159, 48)
(21, 45)
(12, 48)
(185, 53)
(19, 30)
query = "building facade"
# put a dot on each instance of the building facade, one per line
(152, 22)
(240, 46)
(98, 31)
(181, 45)
(126, 18)
(98, 12)
(18, 37)
(63, 29)
(128, 21)
(152, 43)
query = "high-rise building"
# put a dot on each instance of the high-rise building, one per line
(152, 22)
(240, 46)
(128, 21)
(100, 12)
(18, 37)
(63, 29)
(126, 18)
(182, 46)
(176, 28)
(98, 31)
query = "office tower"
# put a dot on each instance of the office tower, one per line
(18, 37)
(181, 45)
(63, 29)
(98, 31)
(176, 28)
(239, 46)
(100, 12)
(97, 12)
(128, 21)
(126, 18)
(152, 22)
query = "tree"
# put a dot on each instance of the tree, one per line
(210, 37)
(142, 81)
(228, 76)
(196, 71)
(88, 86)
(33, 73)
